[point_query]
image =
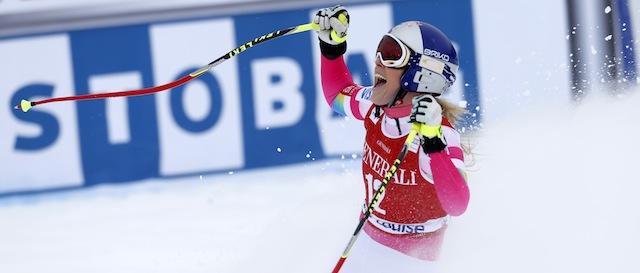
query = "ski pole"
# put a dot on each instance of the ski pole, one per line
(25, 105)
(374, 201)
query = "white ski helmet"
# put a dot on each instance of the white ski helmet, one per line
(432, 60)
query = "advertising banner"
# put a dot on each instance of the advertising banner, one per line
(261, 108)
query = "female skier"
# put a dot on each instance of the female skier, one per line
(415, 63)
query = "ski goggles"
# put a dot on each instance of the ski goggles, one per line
(392, 52)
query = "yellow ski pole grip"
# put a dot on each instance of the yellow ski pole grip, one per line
(334, 34)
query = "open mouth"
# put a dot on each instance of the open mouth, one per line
(379, 80)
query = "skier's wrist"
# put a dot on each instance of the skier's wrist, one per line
(332, 52)
(433, 145)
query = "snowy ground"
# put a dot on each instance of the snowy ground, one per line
(553, 190)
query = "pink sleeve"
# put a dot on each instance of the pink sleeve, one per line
(453, 150)
(338, 87)
(454, 145)
(335, 77)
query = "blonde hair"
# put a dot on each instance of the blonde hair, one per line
(453, 113)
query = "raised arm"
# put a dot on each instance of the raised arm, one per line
(340, 92)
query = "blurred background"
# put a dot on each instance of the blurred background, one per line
(211, 174)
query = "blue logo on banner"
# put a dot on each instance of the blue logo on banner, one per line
(179, 112)
(47, 122)
(106, 51)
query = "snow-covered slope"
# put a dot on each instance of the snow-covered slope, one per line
(553, 190)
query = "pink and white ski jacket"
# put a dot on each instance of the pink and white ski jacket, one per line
(409, 217)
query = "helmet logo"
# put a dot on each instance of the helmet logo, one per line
(436, 54)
